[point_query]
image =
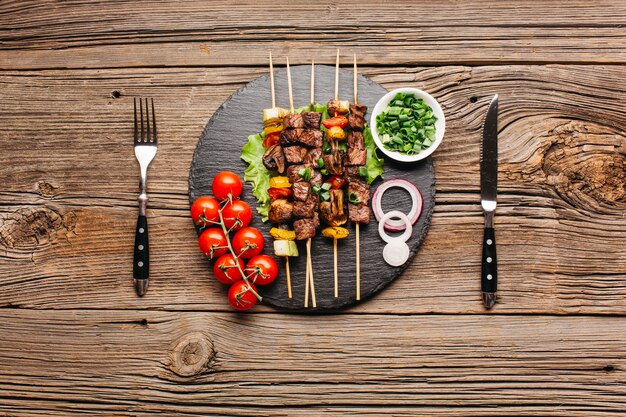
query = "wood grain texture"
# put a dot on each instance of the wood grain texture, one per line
(147, 362)
(215, 153)
(68, 211)
(156, 34)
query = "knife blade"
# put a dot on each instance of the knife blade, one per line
(488, 197)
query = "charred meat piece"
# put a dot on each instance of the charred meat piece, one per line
(280, 211)
(301, 190)
(305, 209)
(333, 211)
(311, 119)
(290, 137)
(293, 173)
(316, 177)
(274, 158)
(358, 192)
(356, 156)
(294, 154)
(293, 121)
(333, 162)
(358, 109)
(338, 107)
(311, 138)
(305, 228)
(355, 140)
(359, 213)
(356, 122)
(351, 173)
(311, 158)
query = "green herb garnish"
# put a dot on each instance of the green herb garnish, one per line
(325, 196)
(320, 162)
(353, 198)
(305, 173)
(363, 172)
(407, 125)
(326, 186)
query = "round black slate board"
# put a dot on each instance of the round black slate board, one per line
(219, 149)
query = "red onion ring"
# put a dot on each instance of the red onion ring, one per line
(416, 208)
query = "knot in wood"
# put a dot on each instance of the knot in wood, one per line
(193, 354)
(46, 189)
(34, 226)
(585, 164)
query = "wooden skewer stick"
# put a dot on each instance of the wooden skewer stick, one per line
(291, 110)
(337, 76)
(310, 268)
(287, 269)
(358, 237)
(335, 267)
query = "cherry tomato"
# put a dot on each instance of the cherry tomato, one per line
(226, 185)
(276, 193)
(225, 269)
(263, 268)
(240, 295)
(236, 214)
(271, 139)
(213, 242)
(340, 121)
(204, 211)
(337, 182)
(248, 242)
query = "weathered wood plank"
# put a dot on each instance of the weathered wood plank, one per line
(135, 34)
(68, 211)
(147, 362)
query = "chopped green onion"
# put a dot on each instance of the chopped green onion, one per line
(326, 147)
(305, 173)
(325, 196)
(363, 172)
(324, 171)
(326, 186)
(320, 162)
(316, 189)
(353, 198)
(407, 125)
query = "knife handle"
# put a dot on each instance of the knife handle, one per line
(489, 273)
(141, 259)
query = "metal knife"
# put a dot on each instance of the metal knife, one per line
(488, 194)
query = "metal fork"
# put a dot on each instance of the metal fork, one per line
(145, 140)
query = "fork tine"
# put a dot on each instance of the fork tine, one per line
(154, 130)
(143, 133)
(135, 107)
(148, 138)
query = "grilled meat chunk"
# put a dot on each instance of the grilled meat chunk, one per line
(358, 109)
(356, 140)
(338, 107)
(280, 211)
(293, 173)
(356, 156)
(333, 162)
(316, 178)
(274, 158)
(351, 173)
(358, 190)
(293, 121)
(305, 209)
(359, 213)
(311, 158)
(356, 123)
(290, 137)
(305, 228)
(294, 154)
(332, 211)
(311, 138)
(301, 190)
(312, 119)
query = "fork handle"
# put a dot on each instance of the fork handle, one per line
(141, 260)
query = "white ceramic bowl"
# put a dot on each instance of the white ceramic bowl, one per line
(440, 124)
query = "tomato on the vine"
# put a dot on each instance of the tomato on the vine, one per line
(248, 242)
(262, 269)
(227, 185)
(213, 242)
(241, 295)
(204, 211)
(337, 182)
(226, 270)
(237, 214)
(271, 139)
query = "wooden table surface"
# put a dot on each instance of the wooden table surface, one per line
(75, 340)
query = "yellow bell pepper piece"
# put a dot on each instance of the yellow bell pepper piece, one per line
(336, 132)
(282, 234)
(336, 232)
(280, 182)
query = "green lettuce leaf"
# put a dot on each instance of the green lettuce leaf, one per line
(373, 163)
(256, 173)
